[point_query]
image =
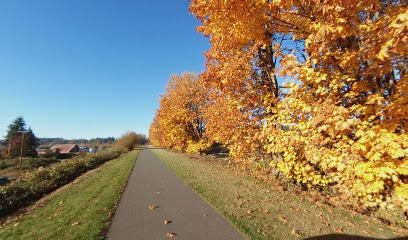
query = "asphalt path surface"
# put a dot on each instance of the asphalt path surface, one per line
(153, 185)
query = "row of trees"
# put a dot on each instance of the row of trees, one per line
(14, 138)
(344, 98)
(90, 142)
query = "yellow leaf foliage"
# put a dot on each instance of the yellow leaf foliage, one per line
(179, 123)
(340, 118)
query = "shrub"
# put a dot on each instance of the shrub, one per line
(42, 162)
(128, 141)
(34, 185)
(197, 147)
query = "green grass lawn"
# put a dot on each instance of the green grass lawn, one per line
(79, 210)
(264, 211)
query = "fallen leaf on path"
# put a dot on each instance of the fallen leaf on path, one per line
(171, 234)
(296, 233)
(151, 207)
(205, 215)
(283, 219)
(167, 222)
(266, 212)
(339, 230)
(75, 223)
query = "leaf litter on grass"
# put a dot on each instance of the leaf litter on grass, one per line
(290, 214)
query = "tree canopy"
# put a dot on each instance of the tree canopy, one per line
(13, 140)
(179, 122)
(129, 141)
(343, 95)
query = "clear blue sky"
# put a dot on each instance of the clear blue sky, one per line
(92, 68)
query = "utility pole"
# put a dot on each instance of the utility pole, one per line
(22, 148)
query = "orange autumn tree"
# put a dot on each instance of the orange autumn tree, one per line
(241, 67)
(155, 136)
(345, 100)
(179, 122)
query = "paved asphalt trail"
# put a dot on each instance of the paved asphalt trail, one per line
(152, 183)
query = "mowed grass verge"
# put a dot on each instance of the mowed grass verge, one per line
(79, 210)
(264, 211)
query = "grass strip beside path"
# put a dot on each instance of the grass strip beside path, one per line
(82, 209)
(264, 211)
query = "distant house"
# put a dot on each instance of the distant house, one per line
(65, 148)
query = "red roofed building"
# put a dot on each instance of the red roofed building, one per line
(65, 148)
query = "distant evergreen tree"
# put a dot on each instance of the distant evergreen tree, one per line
(12, 141)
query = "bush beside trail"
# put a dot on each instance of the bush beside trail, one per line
(34, 185)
